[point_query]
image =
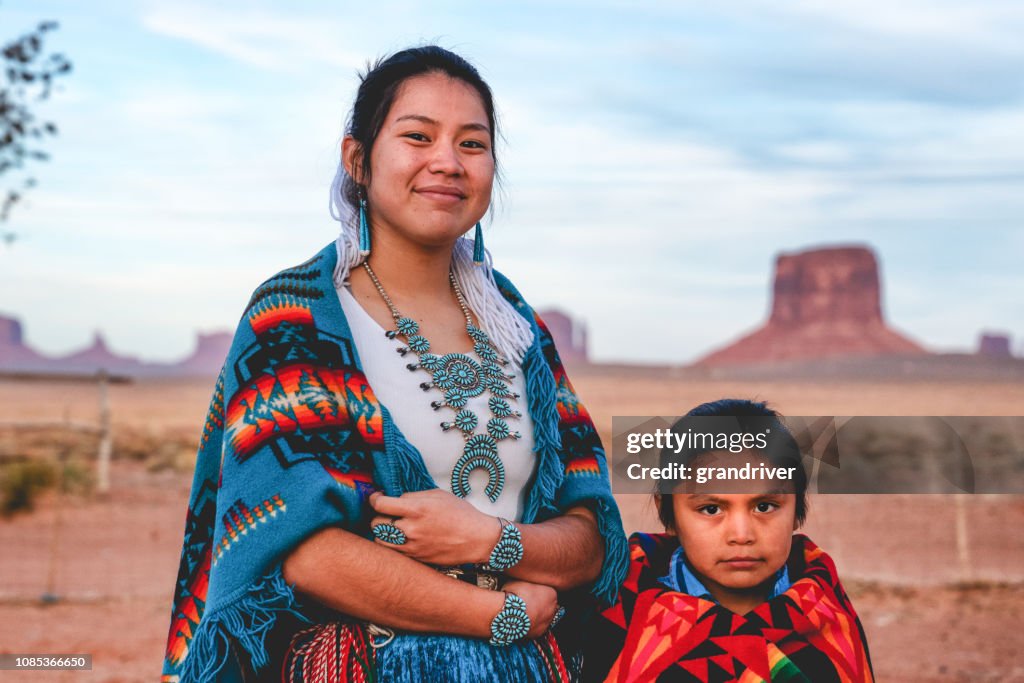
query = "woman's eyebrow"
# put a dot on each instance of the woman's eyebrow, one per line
(417, 117)
(431, 122)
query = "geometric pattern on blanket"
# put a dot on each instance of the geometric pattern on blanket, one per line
(809, 633)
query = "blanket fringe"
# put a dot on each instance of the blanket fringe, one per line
(430, 657)
(408, 463)
(542, 397)
(616, 554)
(246, 621)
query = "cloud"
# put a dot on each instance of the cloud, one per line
(993, 24)
(272, 41)
(657, 159)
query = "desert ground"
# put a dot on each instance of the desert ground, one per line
(939, 602)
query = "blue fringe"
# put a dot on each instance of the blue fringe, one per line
(414, 658)
(400, 468)
(246, 621)
(616, 553)
(542, 396)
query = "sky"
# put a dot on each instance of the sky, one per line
(656, 157)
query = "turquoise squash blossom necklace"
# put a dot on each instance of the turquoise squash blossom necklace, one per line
(460, 377)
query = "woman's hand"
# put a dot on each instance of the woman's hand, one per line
(541, 604)
(439, 527)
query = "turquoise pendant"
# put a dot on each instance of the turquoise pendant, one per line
(466, 420)
(481, 452)
(459, 371)
(500, 407)
(460, 377)
(407, 327)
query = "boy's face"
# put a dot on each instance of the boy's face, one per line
(736, 541)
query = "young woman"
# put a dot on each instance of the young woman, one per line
(730, 593)
(396, 480)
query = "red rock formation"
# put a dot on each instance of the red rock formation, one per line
(13, 351)
(826, 304)
(98, 356)
(570, 336)
(16, 356)
(10, 332)
(211, 350)
(994, 345)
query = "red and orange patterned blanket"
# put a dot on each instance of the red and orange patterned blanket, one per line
(809, 634)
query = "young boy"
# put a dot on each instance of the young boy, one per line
(730, 594)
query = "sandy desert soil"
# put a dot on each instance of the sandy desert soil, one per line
(929, 615)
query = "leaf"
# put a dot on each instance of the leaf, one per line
(31, 71)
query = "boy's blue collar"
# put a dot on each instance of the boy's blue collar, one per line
(682, 579)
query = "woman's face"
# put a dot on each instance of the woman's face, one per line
(432, 163)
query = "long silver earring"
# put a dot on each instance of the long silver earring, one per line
(364, 225)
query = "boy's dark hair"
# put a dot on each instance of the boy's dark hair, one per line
(750, 417)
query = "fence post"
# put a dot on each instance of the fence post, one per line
(106, 441)
(963, 550)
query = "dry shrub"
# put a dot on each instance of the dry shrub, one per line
(22, 482)
(46, 443)
(78, 477)
(164, 450)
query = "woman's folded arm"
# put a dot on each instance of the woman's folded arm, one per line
(373, 583)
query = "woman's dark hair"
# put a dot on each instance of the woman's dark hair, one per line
(750, 417)
(377, 91)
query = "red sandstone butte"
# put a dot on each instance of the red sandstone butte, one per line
(570, 336)
(826, 304)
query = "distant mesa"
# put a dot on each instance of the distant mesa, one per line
(98, 356)
(570, 336)
(13, 351)
(209, 354)
(10, 332)
(826, 304)
(994, 345)
(15, 355)
(826, 316)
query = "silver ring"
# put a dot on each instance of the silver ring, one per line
(559, 613)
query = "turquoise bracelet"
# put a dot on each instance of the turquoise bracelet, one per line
(508, 551)
(512, 623)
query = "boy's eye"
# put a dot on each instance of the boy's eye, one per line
(765, 506)
(709, 510)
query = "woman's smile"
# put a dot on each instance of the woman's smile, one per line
(445, 195)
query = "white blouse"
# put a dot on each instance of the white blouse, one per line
(398, 388)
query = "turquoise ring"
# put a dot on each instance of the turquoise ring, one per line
(389, 533)
(559, 613)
